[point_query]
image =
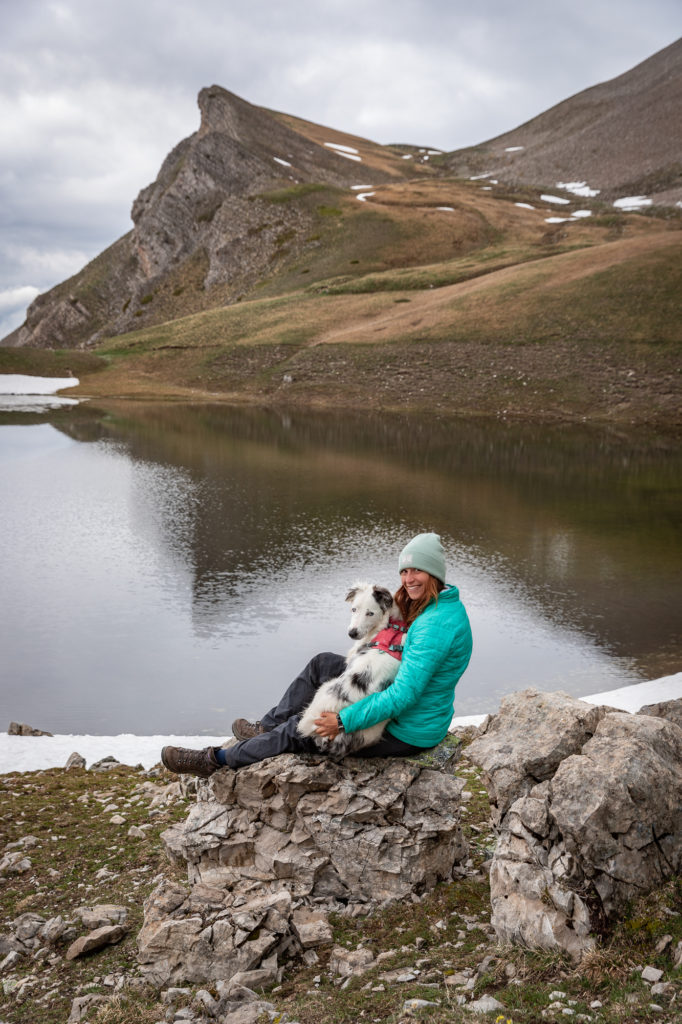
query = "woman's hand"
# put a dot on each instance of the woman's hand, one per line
(327, 725)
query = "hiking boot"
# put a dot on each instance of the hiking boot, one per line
(242, 729)
(182, 761)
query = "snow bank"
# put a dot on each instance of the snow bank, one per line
(36, 753)
(632, 203)
(23, 384)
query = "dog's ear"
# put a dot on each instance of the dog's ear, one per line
(351, 593)
(383, 597)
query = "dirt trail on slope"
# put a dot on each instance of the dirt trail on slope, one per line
(425, 307)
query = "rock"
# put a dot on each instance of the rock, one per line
(18, 729)
(651, 974)
(105, 764)
(527, 740)
(102, 914)
(26, 928)
(53, 930)
(75, 760)
(410, 1005)
(81, 1005)
(10, 961)
(15, 864)
(604, 827)
(311, 927)
(106, 936)
(668, 709)
(486, 1004)
(266, 845)
(135, 832)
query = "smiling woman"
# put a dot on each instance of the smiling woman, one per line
(417, 707)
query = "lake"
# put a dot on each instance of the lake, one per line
(167, 567)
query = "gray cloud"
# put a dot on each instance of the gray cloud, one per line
(93, 96)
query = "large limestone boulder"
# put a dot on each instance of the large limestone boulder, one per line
(272, 848)
(603, 826)
(527, 740)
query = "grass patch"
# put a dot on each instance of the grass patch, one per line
(41, 362)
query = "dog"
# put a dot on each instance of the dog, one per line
(371, 666)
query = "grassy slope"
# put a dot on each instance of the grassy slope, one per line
(444, 935)
(479, 308)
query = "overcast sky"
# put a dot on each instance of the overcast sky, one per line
(94, 93)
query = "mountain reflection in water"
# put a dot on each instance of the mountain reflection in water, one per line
(169, 567)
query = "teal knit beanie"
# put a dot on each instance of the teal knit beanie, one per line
(424, 552)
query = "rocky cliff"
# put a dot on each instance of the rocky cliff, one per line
(209, 228)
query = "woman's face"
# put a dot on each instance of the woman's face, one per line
(415, 582)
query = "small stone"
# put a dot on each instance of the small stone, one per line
(651, 974)
(486, 1004)
(117, 819)
(410, 1005)
(135, 832)
(75, 760)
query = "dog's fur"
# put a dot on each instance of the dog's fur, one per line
(368, 670)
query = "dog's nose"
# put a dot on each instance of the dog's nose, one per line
(353, 634)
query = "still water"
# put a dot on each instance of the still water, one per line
(167, 568)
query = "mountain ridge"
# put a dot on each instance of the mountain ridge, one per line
(266, 260)
(622, 137)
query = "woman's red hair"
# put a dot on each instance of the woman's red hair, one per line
(409, 609)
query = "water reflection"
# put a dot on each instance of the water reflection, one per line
(170, 567)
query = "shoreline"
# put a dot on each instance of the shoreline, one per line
(40, 753)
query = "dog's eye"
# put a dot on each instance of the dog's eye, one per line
(353, 610)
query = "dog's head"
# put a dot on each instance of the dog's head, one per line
(370, 608)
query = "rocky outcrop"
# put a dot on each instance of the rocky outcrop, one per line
(589, 806)
(204, 224)
(20, 729)
(271, 849)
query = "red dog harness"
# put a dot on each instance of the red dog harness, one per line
(388, 639)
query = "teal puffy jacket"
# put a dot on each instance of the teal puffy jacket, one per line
(420, 702)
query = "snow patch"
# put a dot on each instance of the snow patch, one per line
(578, 188)
(480, 177)
(340, 148)
(514, 149)
(360, 188)
(408, 156)
(284, 163)
(581, 213)
(450, 208)
(24, 384)
(555, 199)
(364, 196)
(525, 206)
(632, 203)
(556, 220)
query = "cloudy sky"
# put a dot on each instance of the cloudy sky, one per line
(94, 93)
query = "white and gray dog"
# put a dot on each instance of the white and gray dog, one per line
(371, 666)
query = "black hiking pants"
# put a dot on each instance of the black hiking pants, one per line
(281, 721)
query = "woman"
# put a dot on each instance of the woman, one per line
(419, 703)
